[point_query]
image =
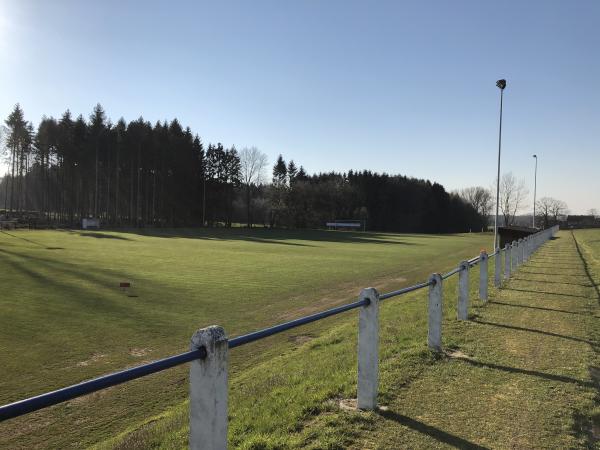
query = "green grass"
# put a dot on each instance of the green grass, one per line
(63, 320)
(522, 373)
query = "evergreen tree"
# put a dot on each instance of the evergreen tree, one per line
(16, 142)
(292, 172)
(280, 172)
(136, 174)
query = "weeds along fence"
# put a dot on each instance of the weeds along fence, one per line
(210, 346)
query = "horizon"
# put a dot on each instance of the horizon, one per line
(291, 80)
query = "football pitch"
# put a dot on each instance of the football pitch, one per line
(67, 315)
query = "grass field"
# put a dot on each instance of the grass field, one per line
(523, 372)
(64, 319)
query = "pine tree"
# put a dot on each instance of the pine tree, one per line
(279, 172)
(16, 141)
(292, 171)
(97, 130)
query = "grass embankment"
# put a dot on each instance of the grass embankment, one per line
(522, 373)
(63, 319)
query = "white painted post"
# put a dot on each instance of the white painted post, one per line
(368, 350)
(498, 268)
(507, 259)
(483, 276)
(463, 291)
(520, 252)
(434, 335)
(208, 390)
(513, 253)
(524, 253)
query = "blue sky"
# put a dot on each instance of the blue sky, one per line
(401, 87)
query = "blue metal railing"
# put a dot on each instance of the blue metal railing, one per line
(261, 334)
(404, 290)
(452, 272)
(32, 404)
(87, 387)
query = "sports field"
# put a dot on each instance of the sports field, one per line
(65, 319)
(521, 373)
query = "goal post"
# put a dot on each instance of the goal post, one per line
(347, 224)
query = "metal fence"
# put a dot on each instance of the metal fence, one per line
(208, 354)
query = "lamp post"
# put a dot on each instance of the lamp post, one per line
(501, 85)
(534, 188)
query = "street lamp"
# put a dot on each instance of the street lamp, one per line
(501, 85)
(534, 188)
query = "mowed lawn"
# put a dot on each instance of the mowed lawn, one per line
(522, 372)
(64, 319)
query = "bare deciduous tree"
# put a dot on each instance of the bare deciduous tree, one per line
(544, 210)
(513, 193)
(253, 163)
(479, 198)
(558, 208)
(548, 210)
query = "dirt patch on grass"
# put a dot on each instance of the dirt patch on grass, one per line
(344, 293)
(301, 339)
(139, 352)
(457, 354)
(94, 358)
(94, 396)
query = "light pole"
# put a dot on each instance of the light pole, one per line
(501, 84)
(534, 188)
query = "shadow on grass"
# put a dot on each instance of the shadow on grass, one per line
(533, 373)
(519, 305)
(436, 433)
(554, 274)
(553, 266)
(545, 292)
(98, 235)
(552, 282)
(588, 424)
(586, 267)
(269, 236)
(533, 330)
(23, 239)
(66, 277)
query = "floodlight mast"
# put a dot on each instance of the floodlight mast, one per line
(534, 189)
(501, 84)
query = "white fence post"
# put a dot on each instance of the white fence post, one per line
(368, 350)
(463, 291)
(521, 244)
(507, 260)
(483, 276)
(208, 390)
(513, 254)
(498, 268)
(434, 335)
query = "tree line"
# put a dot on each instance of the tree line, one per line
(385, 202)
(162, 174)
(512, 200)
(131, 173)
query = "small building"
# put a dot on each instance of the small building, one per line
(581, 221)
(514, 233)
(90, 223)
